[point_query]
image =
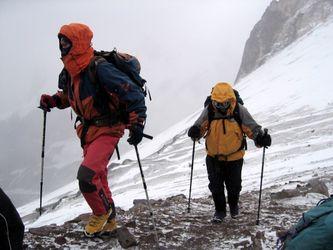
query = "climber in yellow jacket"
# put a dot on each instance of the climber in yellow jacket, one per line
(224, 123)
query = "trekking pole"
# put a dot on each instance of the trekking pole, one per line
(147, 197)
(42, 164)
(262, 174)
(189, 196)
(117, 151)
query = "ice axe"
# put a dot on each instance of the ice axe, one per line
(262, 174)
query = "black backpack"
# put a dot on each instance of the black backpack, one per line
(125, 63)
(238, 98)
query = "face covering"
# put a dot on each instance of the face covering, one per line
(65, 45)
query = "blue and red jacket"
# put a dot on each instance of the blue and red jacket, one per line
(80, 92)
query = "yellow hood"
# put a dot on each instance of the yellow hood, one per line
(222, 92)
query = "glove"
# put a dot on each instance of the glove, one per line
(263, 139)
(47, 102)
(136, 134)
(194, 132)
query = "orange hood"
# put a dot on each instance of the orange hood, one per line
(81, 52)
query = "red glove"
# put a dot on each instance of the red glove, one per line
(47, 102)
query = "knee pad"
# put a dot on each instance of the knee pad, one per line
(85, 177)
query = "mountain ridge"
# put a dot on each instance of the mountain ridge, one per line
(282, 23)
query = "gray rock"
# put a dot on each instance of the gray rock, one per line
(243, 244)
(125, 238)
(256, 240)
(282, 23)
(60, 240)
(313, 186)
(286, 193)
(317, 186)
(137, 202)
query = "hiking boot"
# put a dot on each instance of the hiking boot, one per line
(110, 228)
(96, 224)
(218, 217)
(234, 211)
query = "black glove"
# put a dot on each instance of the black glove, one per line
(194, 132)
(263, 139)
(136, 134)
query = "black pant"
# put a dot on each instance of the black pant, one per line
(228, 173)
(11, 225)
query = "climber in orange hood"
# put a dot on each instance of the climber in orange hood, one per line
(104, 110)
(75, 47)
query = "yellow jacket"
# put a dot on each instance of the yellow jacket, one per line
(223, 133)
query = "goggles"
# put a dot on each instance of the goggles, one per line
(222, 106)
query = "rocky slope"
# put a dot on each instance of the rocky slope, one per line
(178, 229)
(283, 22)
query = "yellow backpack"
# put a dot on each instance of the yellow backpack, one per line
(225, 138)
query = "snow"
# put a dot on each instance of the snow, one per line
(290, 95)
(298, 76)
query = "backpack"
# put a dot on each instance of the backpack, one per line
(126, 63)
(313, 231)
(238, 98)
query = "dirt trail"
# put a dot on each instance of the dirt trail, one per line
(178, 229)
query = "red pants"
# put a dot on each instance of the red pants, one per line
(92, 174)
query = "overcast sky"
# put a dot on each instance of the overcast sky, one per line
(184, 47)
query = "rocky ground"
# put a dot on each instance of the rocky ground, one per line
(178, 229)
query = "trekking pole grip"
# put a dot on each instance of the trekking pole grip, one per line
(265, 133)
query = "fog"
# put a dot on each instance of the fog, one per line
(184, 47)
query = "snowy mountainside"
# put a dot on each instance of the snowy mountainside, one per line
(283, 22)
(290, 95)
